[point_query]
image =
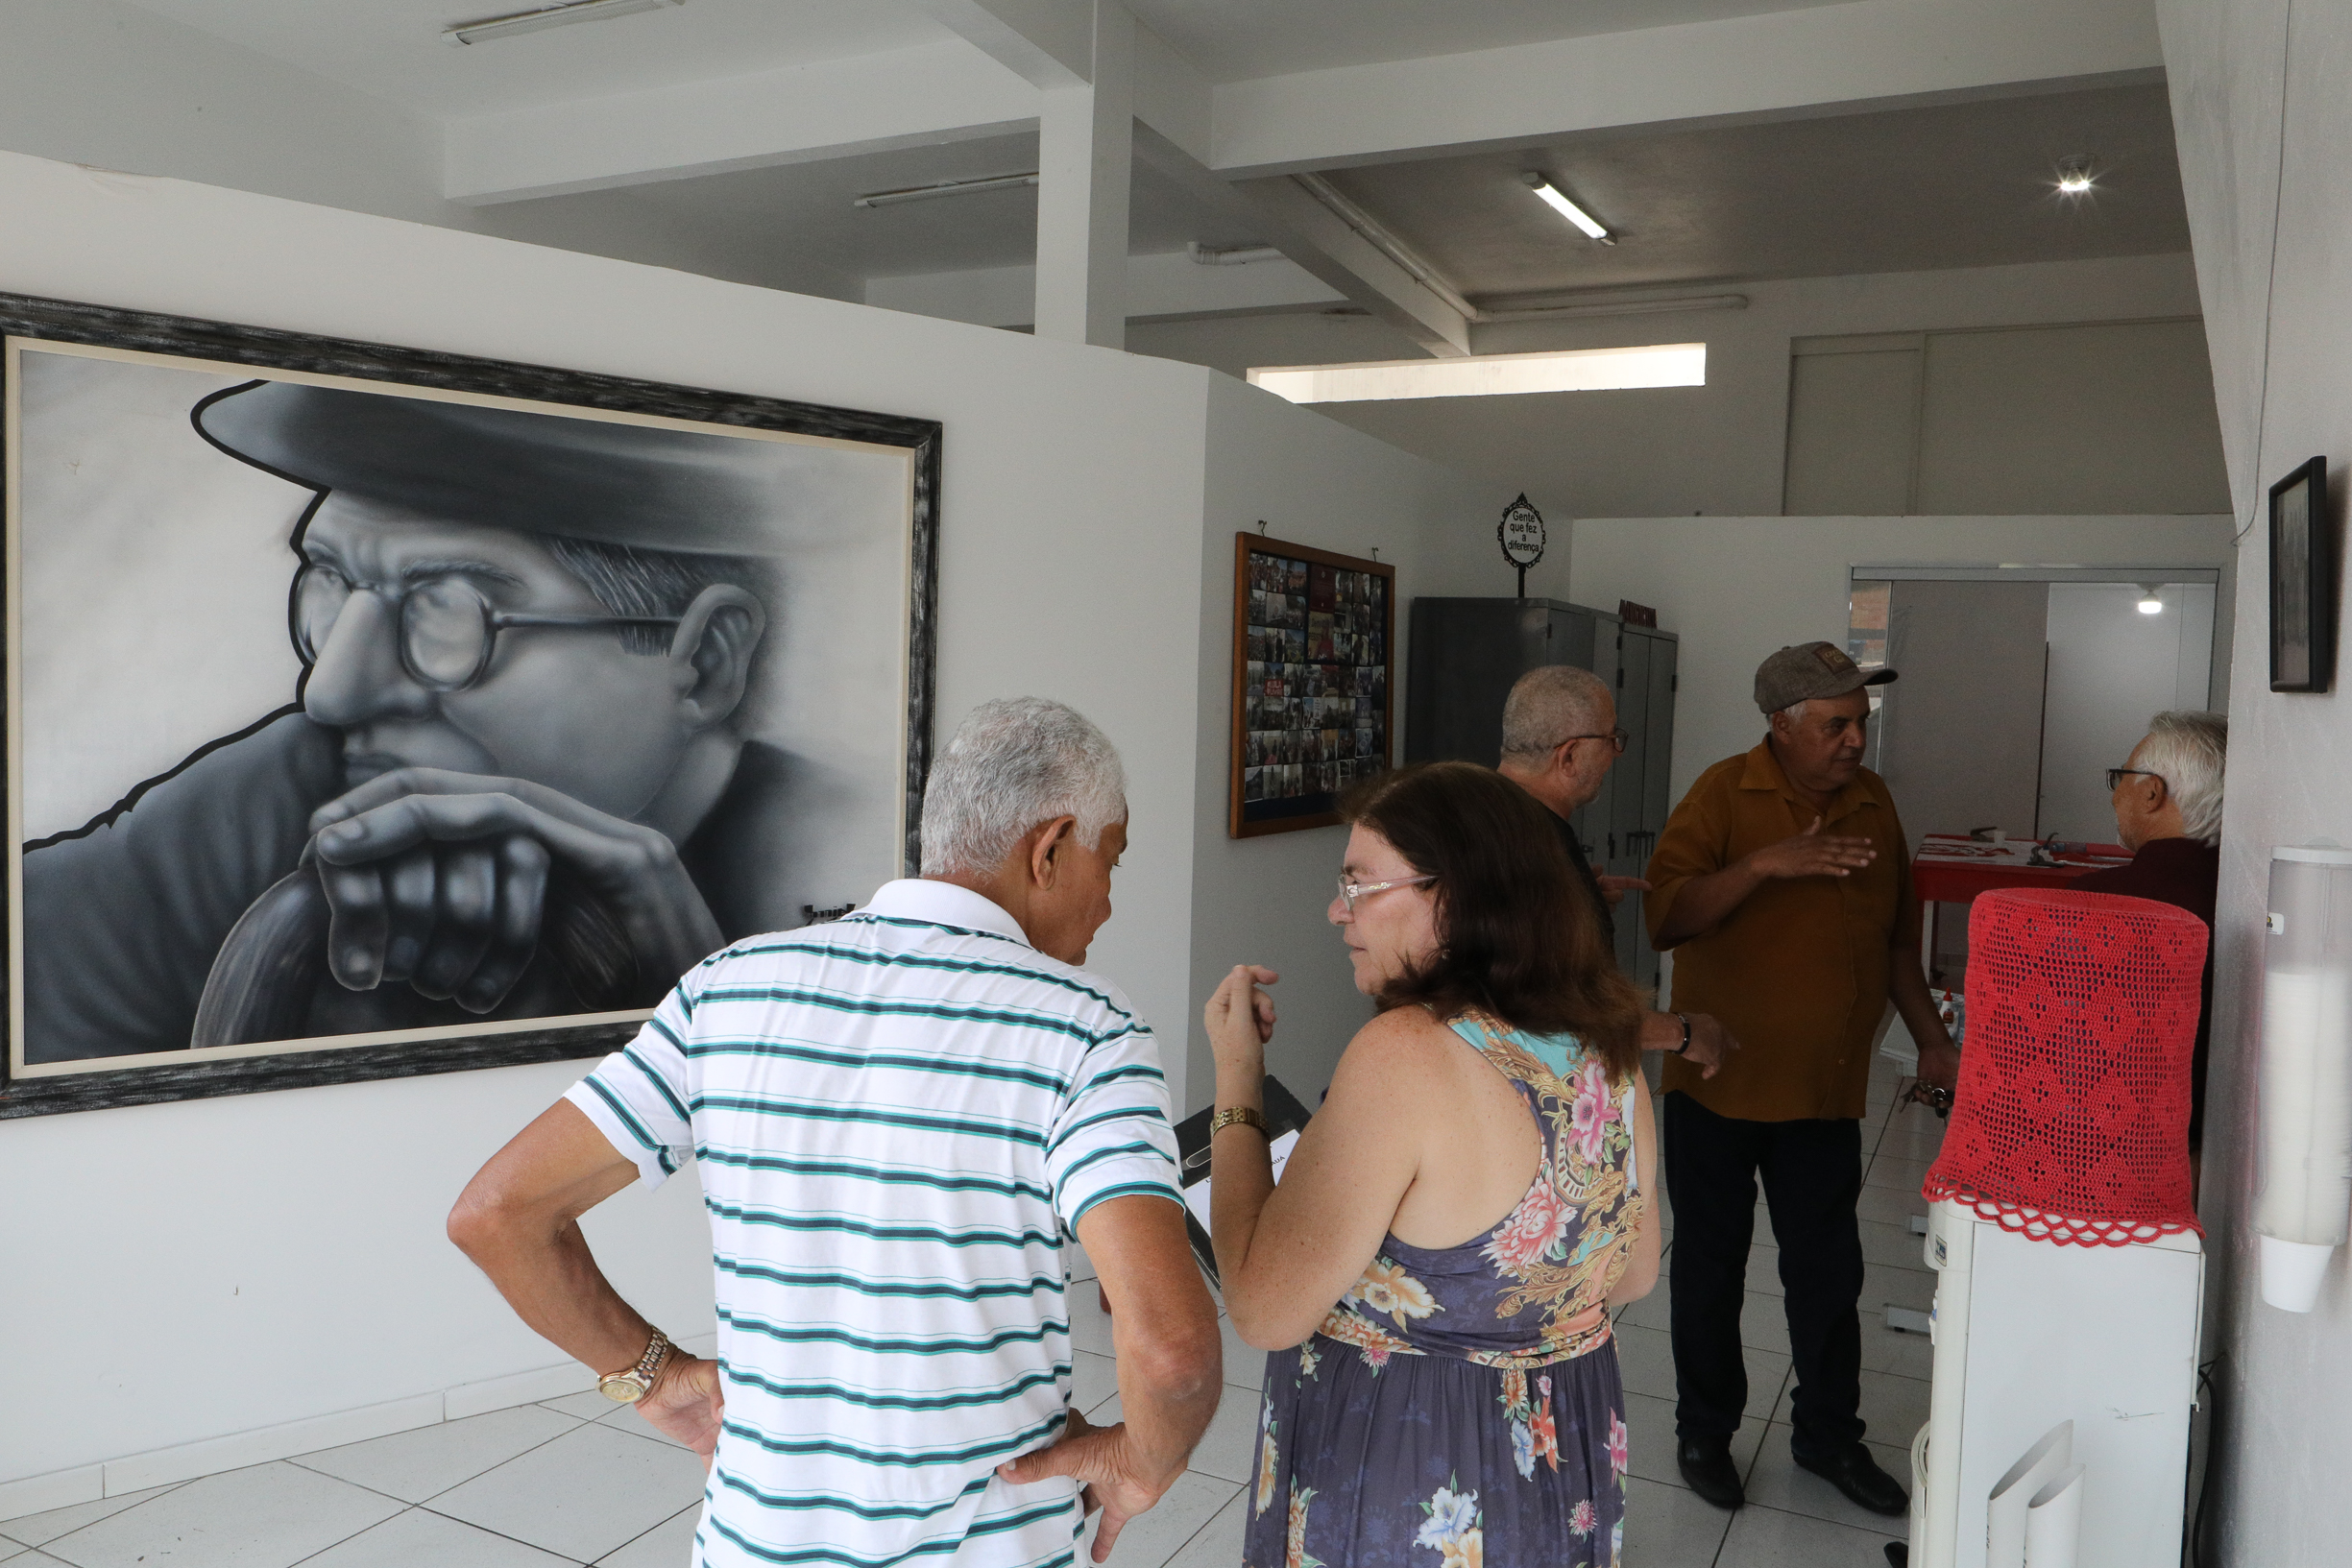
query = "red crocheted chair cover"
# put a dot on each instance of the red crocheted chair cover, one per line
(2071, 1120)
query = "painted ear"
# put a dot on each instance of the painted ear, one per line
(714, 641)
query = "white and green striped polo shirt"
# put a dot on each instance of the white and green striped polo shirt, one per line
(898, 1116)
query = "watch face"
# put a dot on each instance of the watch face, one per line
(623, 1389)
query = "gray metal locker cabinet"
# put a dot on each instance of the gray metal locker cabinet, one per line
(1622, 844)
(1465, 654)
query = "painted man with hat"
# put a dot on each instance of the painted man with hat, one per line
(509, 787)
(1782, 885)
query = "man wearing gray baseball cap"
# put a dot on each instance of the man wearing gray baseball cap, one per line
(1782, 884)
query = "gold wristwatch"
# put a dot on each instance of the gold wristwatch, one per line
(631, 1384)
(1236, 1115)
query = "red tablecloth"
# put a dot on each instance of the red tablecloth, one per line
(1952, 868)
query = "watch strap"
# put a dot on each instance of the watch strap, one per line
(634, 1383)
(1237, 1116)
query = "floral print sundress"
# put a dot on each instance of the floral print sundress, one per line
(1447, 1407)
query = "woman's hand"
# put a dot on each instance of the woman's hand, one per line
(1241, 1019)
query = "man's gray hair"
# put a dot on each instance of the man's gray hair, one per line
(2186, 750)
(1548, 705)
(1013, 763)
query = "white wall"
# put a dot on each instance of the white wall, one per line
(2265, 134)
(1263, 900)
(1672, 452)
(295, 1237)
(1738, 588)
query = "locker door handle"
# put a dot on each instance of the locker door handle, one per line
(1612, 846)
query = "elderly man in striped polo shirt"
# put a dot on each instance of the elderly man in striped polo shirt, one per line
(898, 1116)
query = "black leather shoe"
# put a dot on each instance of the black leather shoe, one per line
(1857, 1475)
(1708, 1470)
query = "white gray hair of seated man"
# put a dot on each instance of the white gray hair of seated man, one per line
(1556, 724)
(2186, 751)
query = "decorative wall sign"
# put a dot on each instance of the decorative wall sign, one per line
(1312, 638)
(374, 712)
(2303, 584)
(1520, 533)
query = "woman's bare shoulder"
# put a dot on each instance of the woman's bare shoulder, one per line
(1401, 1048)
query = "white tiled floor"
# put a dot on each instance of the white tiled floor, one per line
(579, 1481)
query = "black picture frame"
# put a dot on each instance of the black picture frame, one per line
(2304, 587)
(264, 348)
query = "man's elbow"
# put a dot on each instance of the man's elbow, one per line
(479, 1225)
(1181, 1361)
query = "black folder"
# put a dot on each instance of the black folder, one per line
(1283, 1114)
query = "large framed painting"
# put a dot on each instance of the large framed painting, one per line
(374, 712)
(1313, 636)
(2303, 586)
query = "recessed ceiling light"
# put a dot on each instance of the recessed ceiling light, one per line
(547, 16)
(1567, 208)
(2074, 175)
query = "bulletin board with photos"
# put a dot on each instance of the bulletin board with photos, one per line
(1313, 634)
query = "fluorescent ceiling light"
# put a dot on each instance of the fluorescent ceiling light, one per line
(1489, 376)
(1567, 209)
(547, 16)
(945, 187)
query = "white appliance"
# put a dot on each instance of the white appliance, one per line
(2029, 1335)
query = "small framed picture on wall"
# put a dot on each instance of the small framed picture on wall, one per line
(2303, 586)
(1313, 636)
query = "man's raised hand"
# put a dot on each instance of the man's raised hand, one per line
(1813, 853)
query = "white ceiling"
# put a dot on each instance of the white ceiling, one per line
(1235, 40)
(392, 49)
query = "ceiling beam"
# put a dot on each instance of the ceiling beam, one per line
(1318, 240)
(1048, 43)
(1839, 56)
(938, 92)
(1158, 288)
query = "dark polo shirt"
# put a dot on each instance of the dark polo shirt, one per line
(2186, 874)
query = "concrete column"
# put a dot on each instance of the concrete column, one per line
(1086, 152)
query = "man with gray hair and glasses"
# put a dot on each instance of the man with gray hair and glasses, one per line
(1560, 740)
(2167, 812)
(898, 1118)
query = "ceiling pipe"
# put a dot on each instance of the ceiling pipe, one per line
(944, 187)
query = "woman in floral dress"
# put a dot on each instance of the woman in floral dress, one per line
(1442, 1386)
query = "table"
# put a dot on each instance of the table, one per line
(1954, 868)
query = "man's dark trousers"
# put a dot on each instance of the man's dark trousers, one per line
(1812, 1174)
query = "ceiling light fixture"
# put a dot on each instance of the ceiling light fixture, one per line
(547, 16)
(2150, 604)
(1488, 375)
(945, 187)
(1567, 208)
(2074, 175)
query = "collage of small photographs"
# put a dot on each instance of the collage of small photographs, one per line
(1315, 689)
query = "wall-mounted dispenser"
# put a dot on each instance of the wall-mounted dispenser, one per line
(2306, 1073)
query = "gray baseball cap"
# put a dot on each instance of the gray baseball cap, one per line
(1807, 670)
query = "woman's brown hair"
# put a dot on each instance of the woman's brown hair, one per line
(1516, 938)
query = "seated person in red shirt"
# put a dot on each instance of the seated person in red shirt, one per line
(2167, 812)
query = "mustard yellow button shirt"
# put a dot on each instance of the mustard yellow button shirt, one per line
(1799, 971)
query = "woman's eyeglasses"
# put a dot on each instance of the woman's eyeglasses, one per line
(1350, 891)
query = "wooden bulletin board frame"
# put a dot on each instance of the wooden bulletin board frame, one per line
(1345, 637)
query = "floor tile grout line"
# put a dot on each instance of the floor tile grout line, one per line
(642, 1533)
(168, 1489)
(579, 1422)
